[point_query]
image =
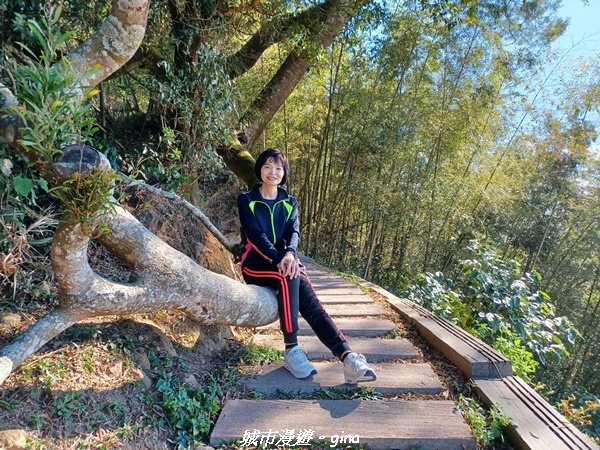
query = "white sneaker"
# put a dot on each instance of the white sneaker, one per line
(297, 363)
(356, 369)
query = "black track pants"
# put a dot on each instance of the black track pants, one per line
(293, 296)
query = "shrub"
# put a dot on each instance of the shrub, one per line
(501, 306)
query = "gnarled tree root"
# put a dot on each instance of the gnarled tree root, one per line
(27, 343)
(167, 279)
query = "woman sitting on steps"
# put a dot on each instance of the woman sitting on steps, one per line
(269, 220)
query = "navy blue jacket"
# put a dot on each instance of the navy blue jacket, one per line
(269, 230)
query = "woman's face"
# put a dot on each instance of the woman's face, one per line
(271, 172)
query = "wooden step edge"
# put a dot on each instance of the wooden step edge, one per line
(544, 409)
(481, 346)
(392, 379)
(473, 357)
(536, 425)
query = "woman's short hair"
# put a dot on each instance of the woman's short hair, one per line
(276, 155)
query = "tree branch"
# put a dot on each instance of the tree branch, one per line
(167, 279)
(239, 161)
(278, 89)
(146, 57)
(113, 44)
(274, 31)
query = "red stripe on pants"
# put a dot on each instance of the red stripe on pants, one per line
(287, 319)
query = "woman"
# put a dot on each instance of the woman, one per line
(270, 225)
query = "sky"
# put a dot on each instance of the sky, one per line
(582, 37)
(583, 30)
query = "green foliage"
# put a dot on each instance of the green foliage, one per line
(258, 354)
(53, 113)
(495, 302)
(163, 165)
(583, 409)
(69, 404)
(48, 93)
(84, 198)
(201, 96)
(392, 334)
(486, 426)
(25, 236)
(49, 372)
(190, 411)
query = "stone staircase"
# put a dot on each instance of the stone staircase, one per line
(425, 421)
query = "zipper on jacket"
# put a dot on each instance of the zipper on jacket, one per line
(271, 213)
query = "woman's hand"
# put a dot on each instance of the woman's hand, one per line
(289, 266)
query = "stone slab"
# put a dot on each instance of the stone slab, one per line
(384, 424)
(354, 310)
(321, 283)
(344, 299)
(335, 290)
(392, 379)
(375, 350)
(350, 327)
(536, 425)
(319, 279)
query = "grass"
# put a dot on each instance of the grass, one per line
(392, 334)
(258, 354)
(486, 426)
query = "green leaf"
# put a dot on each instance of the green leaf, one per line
(44, 241)
(38, 32)
(57, 13)
(544, 296)
(23, 186)
(43, 184)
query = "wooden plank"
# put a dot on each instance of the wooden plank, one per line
(536, 425)
(350, 327)
(385, 424)
(356, 310)
(468, 358)
(334, 290)
(375, 350)
(344, 299)
(472, 356)
(392, 379)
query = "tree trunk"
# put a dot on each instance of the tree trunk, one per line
(166, 279)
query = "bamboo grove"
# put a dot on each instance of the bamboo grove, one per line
(416, 138)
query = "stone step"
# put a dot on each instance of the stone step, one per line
(318, 285)
(375, 350)
(344, 299)
(338, 290)
(383, 424)
(358, 310)
(319, 279)
(392, 379)
(350, 327)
